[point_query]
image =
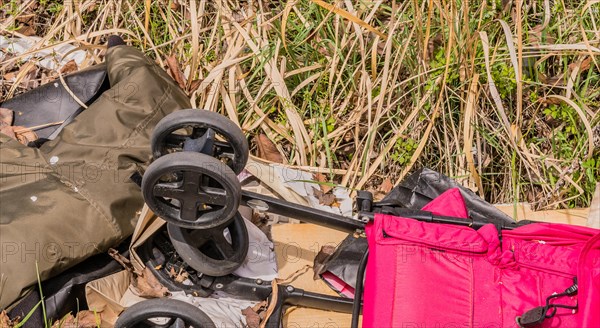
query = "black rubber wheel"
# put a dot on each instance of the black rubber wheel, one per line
(201, 131)
(191, 190)
(208, 251)
(179, 314)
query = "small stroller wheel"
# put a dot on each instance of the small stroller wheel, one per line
(166, 312)
(191, 190)
(201, 131)
(160, 257)
(209, 251)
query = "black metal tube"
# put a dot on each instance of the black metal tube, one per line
(301, 297)
(339, 222)
(303, 213)
(358, 291)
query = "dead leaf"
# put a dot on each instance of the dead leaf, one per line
(26, 30)
(88, 319)
(10, 76)
(325, 186)
(6, 116)
(584, 65)
(19, 133)
(172, 273)
(180, 276)
(175, 6)
(5, 320)
(550, 101)
(534, 35)
(24, 135)
(175, 71)
(183, 276)
(267, 149)
(84, 319)
(91, 8)
(252, 318)
(433, 45)
(69, 67)
(325, 199)
(320, 260)
(558, 80)
(386, 186)
(125, 262)
(26, 19)
(146, 285)
(195, 85)
(255, 315)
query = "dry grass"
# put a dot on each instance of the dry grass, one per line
(502, 95)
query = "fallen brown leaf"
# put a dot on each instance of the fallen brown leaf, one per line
(550, 101)
(255, 315)
(267, 149)
(6, 116)
(175, 71)
(5, 320)
(175, 5)
(125, 262)
(26, 19)
(69, 67)
(320, 260)
(325, 199)
(323, 179)
(19, 133)
(180, 276)
(26, 30)
(146, 285)
(84, 319)
(252, 318)
(183, 276)
(558, 80)
(10, 76)
(584, 65)
(24, 135)
(433, 45)
(534, 35)
(386, 186)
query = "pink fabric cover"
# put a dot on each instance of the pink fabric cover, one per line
(338, 284)
(422, 275)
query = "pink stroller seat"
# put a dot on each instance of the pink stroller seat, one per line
(422, 275)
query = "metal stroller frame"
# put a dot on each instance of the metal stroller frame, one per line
(288, 295)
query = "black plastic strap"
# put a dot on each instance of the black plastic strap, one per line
(536, 316)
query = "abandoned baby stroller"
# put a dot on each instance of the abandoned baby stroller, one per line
(438, 266)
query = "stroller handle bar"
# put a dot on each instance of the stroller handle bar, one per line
(366, 213)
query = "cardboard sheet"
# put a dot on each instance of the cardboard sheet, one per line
(522, 211)
(296, 246)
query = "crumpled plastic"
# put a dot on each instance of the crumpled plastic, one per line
(223, 311)
(51, 58)
(260, 261)
(298, 186)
